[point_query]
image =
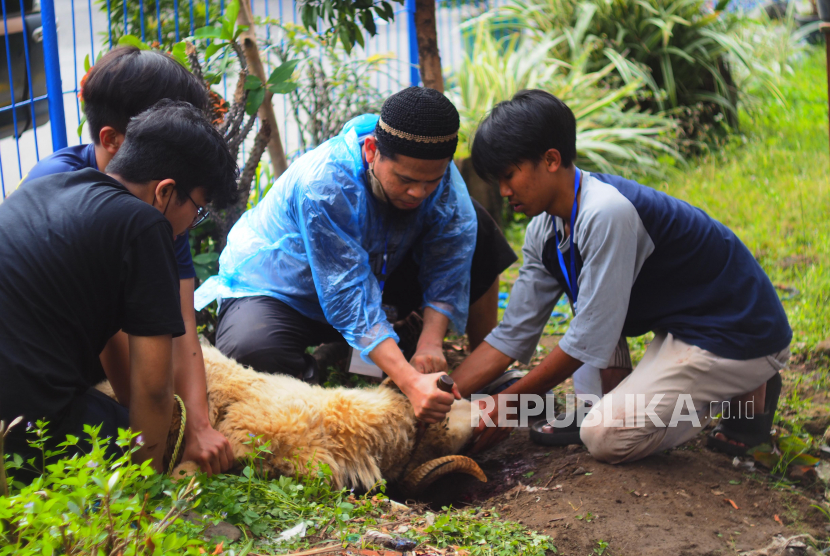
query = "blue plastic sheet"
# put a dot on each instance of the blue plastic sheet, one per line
(559, 316)
(318, 238)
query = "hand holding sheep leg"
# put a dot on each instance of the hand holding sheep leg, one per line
(429, 403)
(207, 448)
(429, 356)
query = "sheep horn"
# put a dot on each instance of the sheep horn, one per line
(429, 472)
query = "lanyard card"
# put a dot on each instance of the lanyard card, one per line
(358, 366)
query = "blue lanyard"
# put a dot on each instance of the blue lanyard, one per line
(570, 278)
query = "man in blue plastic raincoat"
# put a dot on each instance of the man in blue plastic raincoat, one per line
(315, 260)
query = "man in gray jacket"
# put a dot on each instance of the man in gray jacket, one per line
(632, 260)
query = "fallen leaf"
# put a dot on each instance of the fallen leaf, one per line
(557, 518)
(718, 492)
(683, 493)
(778, 519)
(734, 505)
(218, 549)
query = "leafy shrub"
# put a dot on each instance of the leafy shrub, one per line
(202, 13)
(91, 504)
(332, 88)
(689, 53)
(613, 133)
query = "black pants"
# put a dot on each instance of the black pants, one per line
(89, 408)
(269, 336)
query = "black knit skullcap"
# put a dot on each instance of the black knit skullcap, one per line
(418, 122)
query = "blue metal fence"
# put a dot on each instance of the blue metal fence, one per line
(69, 31)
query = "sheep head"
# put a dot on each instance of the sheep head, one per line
(436, 447)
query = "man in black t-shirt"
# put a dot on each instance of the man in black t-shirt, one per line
(85, 254)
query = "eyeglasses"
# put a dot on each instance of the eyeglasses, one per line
(201, 212)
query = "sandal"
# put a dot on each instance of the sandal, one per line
(562, 435)
(750, 432)
(509, 378)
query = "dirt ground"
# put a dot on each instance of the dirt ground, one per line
(675, 503)
(679, 502)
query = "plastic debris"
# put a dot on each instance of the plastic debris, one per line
(388, 541)
(298, 531)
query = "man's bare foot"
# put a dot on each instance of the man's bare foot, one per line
(721, 436)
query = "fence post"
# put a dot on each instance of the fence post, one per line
(54, 88)
(414, 71)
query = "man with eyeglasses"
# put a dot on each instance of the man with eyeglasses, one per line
(122, 84)
(84, 255)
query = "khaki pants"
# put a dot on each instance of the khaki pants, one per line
(634, 420)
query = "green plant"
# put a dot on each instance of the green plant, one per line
(343, 17)
(481, 533)
(202, 13)
(613, 134)
(690, 53)
(206, 262)
(332, 88)
(269, 505)
(601, 547)
(789, 450)
(263, 181)
(92, 504)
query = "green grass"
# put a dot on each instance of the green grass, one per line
(769, 184)
(91, 504)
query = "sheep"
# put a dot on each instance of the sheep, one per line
(363, 435)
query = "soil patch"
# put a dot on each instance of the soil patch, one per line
(675, 503)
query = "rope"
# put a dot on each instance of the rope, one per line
(181, 436)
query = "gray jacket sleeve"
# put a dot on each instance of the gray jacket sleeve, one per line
(532, 299)
(613, 244)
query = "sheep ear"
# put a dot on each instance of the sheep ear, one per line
(426, 474)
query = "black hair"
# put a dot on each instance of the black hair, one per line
(127, 81)
(523, 129)
(384, 149)
(174, 140)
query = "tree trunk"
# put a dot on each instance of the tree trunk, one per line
(427, 33)
(278, 161)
